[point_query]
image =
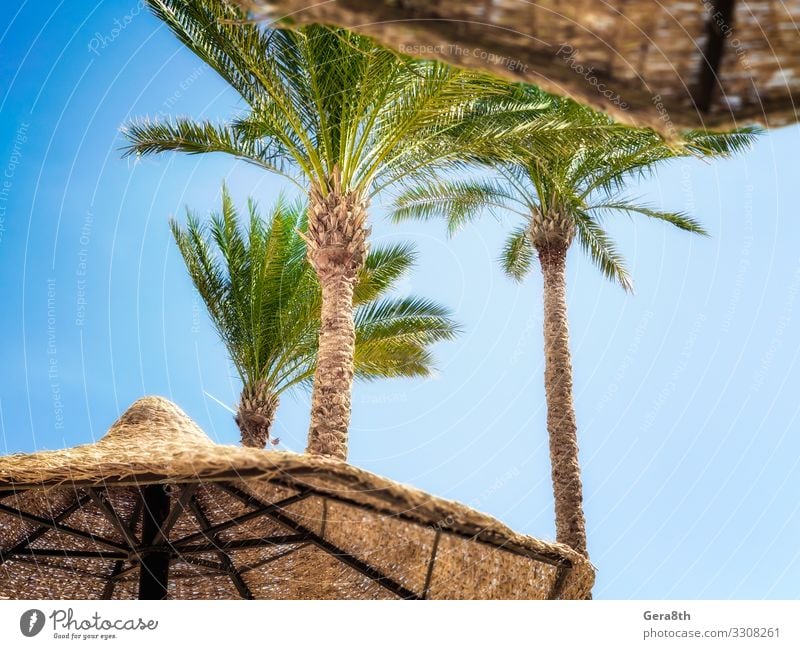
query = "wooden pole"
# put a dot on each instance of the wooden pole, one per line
(154, 571)
(718, 28)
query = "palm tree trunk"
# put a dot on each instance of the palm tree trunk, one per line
(256, 413)
(336, 241)
(333, 378)
(561, 426)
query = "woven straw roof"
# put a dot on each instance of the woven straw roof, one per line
(248, 523)
(666, 64)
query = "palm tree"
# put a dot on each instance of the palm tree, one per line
(345, 119)
(559, 197)
(265, 301)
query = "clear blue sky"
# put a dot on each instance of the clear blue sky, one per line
(686, 392)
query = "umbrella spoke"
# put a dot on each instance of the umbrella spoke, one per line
(177, 509)
(123, 572)
(35, 534)
(242, 544)
(274, 557)
(345, 557)
(205, 563)
(236, 577)
(72, 554)
(558, 583)
(57, 566)
(212, 573)
(105, 506)
(117, 570)
(431, 561)
(233, 522)
(58, 527)
(551, 558)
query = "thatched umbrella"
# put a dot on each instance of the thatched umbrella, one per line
(156, 509)
(667, 64)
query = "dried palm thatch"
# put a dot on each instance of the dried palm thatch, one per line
(156, 509)
(668, 64)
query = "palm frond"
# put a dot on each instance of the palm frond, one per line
(146, 137)
(393, 337)
(382, 269)
(456, 201)
(678, 219)
(722, 143)
(220, 35)
(264, 299)
(518, 254)
(321, 98)
(602, 251)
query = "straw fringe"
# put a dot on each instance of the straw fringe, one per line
(389, 525)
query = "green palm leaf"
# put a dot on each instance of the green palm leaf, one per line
(456, 201)
(678, 219)
(264, 299)
(578, 180)
(320, 98)
(602, 251)
(518, 254)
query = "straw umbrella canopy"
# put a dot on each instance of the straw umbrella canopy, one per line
(155, 509)
(668, 64)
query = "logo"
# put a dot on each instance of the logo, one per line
(31, 622)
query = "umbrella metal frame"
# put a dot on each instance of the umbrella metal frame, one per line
(153, 503)
(153, 553)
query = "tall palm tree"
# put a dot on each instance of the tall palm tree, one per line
(559, 197)
(265, 302)
(345, 119)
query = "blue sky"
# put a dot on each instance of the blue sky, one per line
(686, 392)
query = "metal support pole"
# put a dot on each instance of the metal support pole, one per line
(154, 571)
